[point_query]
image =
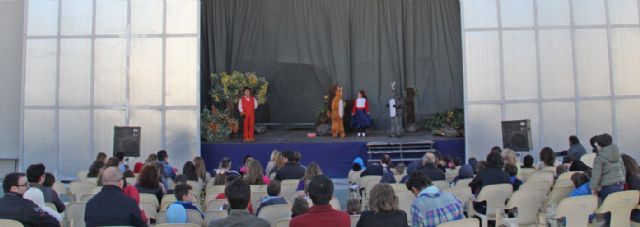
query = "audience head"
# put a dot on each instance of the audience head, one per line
(297, 156)
(494, 160)
(201, 168)
(511, 169)
(630, 166)
(383, 199)
(163, 156)
(353, 206)
(457, 161)
(49, 180)
(273, 189)
(159, 168)
(496, 149)
(237, 193)
(247, 158)
(320, 190)
(35, 173)
(312, 170)
(274, 154)
(189, 170)
(225, 163)
(120, 156)
(289, 156)
(183, 192)
(112, 176)
(151, 158)
(547, 156)
(429, 158)
(400, 168)
(481, 165)
(592, 142)
(386, 160)
(573, 140)
(417, 181)
(112, 162)
(148, 177)
(579, 179)
(528, 161)
(15, 182)
(560, 169)
(300, 206)
(279, 160)
(95, 168)
(509, 156)
(604, 140)
(101, 157)
(254, 173)
(181, 179)
(356, 167)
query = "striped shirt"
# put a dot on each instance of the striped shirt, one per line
(433, 207)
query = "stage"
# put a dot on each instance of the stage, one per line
(334, 155)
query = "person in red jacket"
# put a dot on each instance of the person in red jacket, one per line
(321, 214)
(247, 106)
(360, 119)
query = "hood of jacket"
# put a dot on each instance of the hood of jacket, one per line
(610, 153)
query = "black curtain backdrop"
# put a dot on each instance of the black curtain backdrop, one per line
(303, 47)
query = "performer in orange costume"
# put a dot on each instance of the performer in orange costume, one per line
(337, 112)
(247, 106)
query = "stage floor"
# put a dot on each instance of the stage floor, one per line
(300, 136)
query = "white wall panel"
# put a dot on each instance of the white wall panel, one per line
(559, 122)
(520, 66)
(151, 123)
(75, 72)
(146, 16)
(182, 16)
(74, 142)
(110, 72)
(111, 17)
(556, 64)
(182, 63)
(553, 12)
(595, 118)
(592, 62)
(40, 138)
(76, 17)
(42, 18)
(482, 60)
(145, 70)
(623, 11)
(516, 13)
(483, 129)
(480, 14)
(40, 72)
(589, 12)
(628, 122)
(181, 135)
(625, 53)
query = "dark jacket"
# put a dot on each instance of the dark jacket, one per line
(14, 207)
(413, 166)
(489, 176)
(112, 207)
(290, 171)
(577, 165)
(576, 151)
(633, 182)
(51, 196)
(383, 219)
(433, 172)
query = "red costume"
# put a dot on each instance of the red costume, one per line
(247, 108)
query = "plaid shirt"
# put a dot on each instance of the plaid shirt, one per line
(433, 207)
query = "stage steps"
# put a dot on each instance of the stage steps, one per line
(399, 152)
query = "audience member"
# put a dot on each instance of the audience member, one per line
(151, 159)
(510, 157)
(180, 179)
(547, 159)
(121, 162)
(415, 165)
(513, 179)
(528, 162)
(14, 207)
(465, 172)
(430, 169)
(224, 168)
(238, 195)
(577, 165)
(632, 181)
(356, 169)
(432, 206)
(381, 169)
(279, 163)
(300, 206)
(581, 184)
(272, 162)
(189, 170)
(400, 169)
(354, 207)
(95, 168)
(201, 169)
(321, 213)
(36, 177)
(254, 176)
(163, 158)
(491, 174)
(230, 178)
(273, 196)
(291, 169)
(149, 182)
(560, 169)
(37, 197)
(383, 209)
(496, 149)
(576, 150)
(101, 157)
(110, 207)
(177, 211)
(132, 192)
(608, 173)
(48, 191)
(474, 164)
(312, 171)
(246, 160)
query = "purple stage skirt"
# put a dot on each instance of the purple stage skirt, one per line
(360, 120)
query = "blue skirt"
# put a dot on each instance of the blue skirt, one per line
(360, 120)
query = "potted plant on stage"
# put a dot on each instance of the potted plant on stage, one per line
(447, 124)
(226, 90)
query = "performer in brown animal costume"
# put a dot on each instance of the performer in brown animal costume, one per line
(337, 112)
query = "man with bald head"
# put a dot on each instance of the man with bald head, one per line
(111, 207)
(430, 169)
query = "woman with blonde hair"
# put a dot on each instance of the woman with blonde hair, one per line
(277, 165)
(272, 161)
(383, 209)
(254, 174)
(510, 157)
(201, 169)
(312, 170)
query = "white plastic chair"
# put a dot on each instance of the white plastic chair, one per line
(577, 209)
(620, 205)
(467, 222)
(75, 212)
(283, 223)
(494, 195)
(354, 219)
(441, 184)
(528, 205)
(10, 223)
(273, 213)
(588, 159)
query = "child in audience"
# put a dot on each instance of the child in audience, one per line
(273, 198)
(528, 162)
(512, 171)
(300, 206)
(353, 206)
(581, 184)
(177, 212)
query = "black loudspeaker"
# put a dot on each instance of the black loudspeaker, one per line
(516, 135)
(127, 140)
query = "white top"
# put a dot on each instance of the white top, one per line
(392, 107)
(37, 197)
(255, 103)
(360, 102)
(341, 108)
